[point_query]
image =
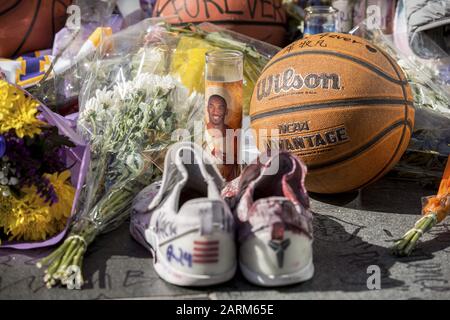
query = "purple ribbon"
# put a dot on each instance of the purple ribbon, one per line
(2, 146)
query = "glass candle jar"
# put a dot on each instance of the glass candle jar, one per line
(223, 108)
(345, 14)
(320, 19)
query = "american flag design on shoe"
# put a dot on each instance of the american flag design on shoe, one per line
(206, 251)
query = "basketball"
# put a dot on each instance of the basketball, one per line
(262, 20)
(29, 25)
(340, 104)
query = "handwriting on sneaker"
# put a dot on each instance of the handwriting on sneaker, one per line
(183, 257)
(166, 228)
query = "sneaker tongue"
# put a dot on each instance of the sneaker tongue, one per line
(175, 172)
(185, 165)
(175, 176)
(283, 175)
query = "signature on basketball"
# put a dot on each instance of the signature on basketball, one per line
(349, 40)
(320, 41)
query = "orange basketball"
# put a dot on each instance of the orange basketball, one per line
(29, 25)
(339, 103)
(263, 20)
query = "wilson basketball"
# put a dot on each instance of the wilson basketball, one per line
(340, 104)
(29, 25)
(263, 20)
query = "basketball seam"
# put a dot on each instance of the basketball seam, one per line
(363, 148)
(404, 128)
(10, 8)
(33, 21)
(340, 55)
(326, 105)
(62, 3)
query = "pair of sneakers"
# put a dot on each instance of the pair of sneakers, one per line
(191, 221)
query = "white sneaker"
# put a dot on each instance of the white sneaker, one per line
(274, 222)
(188, 227)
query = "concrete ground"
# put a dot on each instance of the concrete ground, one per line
(352, 232)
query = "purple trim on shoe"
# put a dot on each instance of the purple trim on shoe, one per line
(140, 216)
(138, 225)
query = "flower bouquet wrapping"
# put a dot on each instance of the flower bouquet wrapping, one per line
(163, 49)
(128, 114)
(41, 168)
(194, 41)
(146, 82)
(427, 152)
(427, 159)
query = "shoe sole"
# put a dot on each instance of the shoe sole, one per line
(176, 277)
(265, 280)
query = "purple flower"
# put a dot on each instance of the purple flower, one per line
(2, 146)
(34, 157)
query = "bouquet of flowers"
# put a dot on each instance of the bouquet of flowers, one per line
(435, 209)
(425, 158)
(142, 87)
(128, 125)
(36, 189)
(180, 52)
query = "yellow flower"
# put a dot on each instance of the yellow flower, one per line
(30, 218)
(18, 112)
(60, 211)
(188, 62)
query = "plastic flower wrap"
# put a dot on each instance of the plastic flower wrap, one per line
(128, 115)
(184, 49)
(194, 42)
(427, 153)
(145, 83)
(429, 148)
(39, 169)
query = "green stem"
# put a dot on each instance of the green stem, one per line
(53, 268)
(406, 245)
(69, 259)
(69, 251)
(78, 256)
(402, 243)
(412, 243)
(45, 261)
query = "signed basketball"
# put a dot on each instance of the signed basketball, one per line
(339, 103)
(263, 20)
(29, 25)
